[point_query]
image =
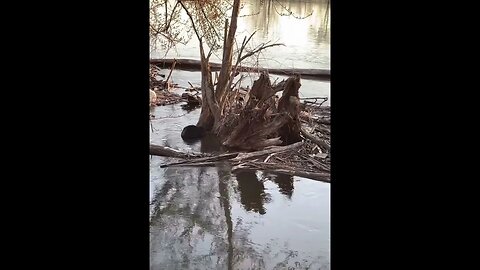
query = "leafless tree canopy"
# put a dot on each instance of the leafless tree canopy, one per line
(168, 27)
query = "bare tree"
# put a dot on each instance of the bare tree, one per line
(214, 23)
(205, 18)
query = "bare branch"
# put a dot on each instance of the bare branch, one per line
(208, 21)
(239, 80)
(171, 17)
(248, 15)
(225, 36)
(191, 19)
(250, 37)
(262, 47)
(209, 53)
(166, 12)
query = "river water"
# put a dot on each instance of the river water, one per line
(210, 218)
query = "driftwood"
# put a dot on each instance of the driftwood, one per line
(158, 150)
(192, 100)
(323, 121)
(257, 120)
(240, 161)
(190, 64)
(249, 161)
(324, 177)
(234, 158)
(171, 70)
(316, 140)
(187, 164)
(211, 160)
(280, 168)
(274, 149)
(166, 98)
(260, 123)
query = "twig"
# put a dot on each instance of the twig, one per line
(204, 159)
(166, 15)
(171, 70)
(200, 164)
(191, 19)
(275, 149)
(260, 48)
(168, 117)
(269, 156)
(315, 140)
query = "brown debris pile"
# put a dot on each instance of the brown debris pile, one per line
(282, 134)
(166, 98)
(160, 93)
(258, 119)
(311, 159)
(255, 119)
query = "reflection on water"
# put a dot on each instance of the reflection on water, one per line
(305, 33)
(252, 191)
(285, 184)
(210, 218)
(307, 40)
(274, 20)
(211, 144)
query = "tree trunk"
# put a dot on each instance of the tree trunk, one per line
(290, 103)
(259, 123)
(208, 113)
(224, 76)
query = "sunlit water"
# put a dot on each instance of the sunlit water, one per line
(210, 218)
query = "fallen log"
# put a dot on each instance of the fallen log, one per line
(280, 168)
(318, 165)
(273, 149)
(202, 160)
(199, 164)
(324, 177)
(243, 161)
(232, 157)
(158, 150)
(191, 64)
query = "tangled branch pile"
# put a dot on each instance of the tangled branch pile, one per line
(282, 134)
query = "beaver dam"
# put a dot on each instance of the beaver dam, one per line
(267, 128)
